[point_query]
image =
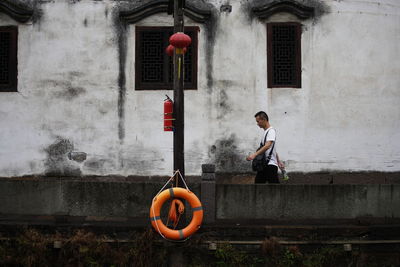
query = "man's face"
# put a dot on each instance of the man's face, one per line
(260, 122)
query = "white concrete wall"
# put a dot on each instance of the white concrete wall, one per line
(346, 116)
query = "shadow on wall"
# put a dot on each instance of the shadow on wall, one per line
(227, 157)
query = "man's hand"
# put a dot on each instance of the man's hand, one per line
(281, 165)
(251, 157)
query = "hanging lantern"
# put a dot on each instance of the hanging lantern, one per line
(170, 50)
(180, 40)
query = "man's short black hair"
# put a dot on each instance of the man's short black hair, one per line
(262, 115)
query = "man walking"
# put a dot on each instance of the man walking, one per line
(270, 172)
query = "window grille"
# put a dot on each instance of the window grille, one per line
(5, 38)
(153, 67)
(284, 55)
(8, 59)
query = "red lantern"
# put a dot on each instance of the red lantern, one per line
(170, 50)
(168, 111)
(180, 40)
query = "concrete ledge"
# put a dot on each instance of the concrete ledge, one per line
(62, 197)
(332, 177)
(61, 200)
(307, 202)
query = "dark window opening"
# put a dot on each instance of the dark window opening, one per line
(8, 59)
(284, 55)
(153, 67)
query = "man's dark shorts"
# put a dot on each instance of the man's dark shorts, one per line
(270, 175)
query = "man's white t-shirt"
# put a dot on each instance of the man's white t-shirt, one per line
(270, 137)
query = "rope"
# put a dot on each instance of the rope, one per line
(183, 180)
(159, 192)
(176, 209)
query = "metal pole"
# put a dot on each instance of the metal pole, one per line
(179, 158)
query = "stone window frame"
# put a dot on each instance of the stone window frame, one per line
(12, 84)
(165, 85)
(270, 55)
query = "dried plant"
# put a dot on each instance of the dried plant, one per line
(271, 247)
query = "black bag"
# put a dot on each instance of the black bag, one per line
(260, 162)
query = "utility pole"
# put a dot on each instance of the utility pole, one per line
(176, 258)
(179, 156)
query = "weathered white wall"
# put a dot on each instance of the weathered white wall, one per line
(346, 116)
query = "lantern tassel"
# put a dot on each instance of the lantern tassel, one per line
(179, 68)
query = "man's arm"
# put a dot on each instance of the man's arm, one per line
(267, 145)
(280, 163)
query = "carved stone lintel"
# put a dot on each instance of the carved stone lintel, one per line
(154, 7)
(19, 12)
(292, 7)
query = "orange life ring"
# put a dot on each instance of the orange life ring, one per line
(176, 192)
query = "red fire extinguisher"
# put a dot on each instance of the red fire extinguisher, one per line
(168, 112)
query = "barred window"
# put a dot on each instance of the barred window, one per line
(8, 59)
(153, 67)
(284, 55)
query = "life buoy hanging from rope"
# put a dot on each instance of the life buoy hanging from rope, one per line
(171, 193)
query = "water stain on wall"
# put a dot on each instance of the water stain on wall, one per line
(70, 93)
(75, 74)
(223, 104)
(95, 165)
(139, 163)
(57, 163)
(211, 30)
(65, 88)
(120, 30)
(227, 157)
(37, 11)
(99, 165)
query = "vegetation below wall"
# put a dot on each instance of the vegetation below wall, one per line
(32, 247)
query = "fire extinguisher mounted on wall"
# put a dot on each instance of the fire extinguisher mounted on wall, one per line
(168, 115)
